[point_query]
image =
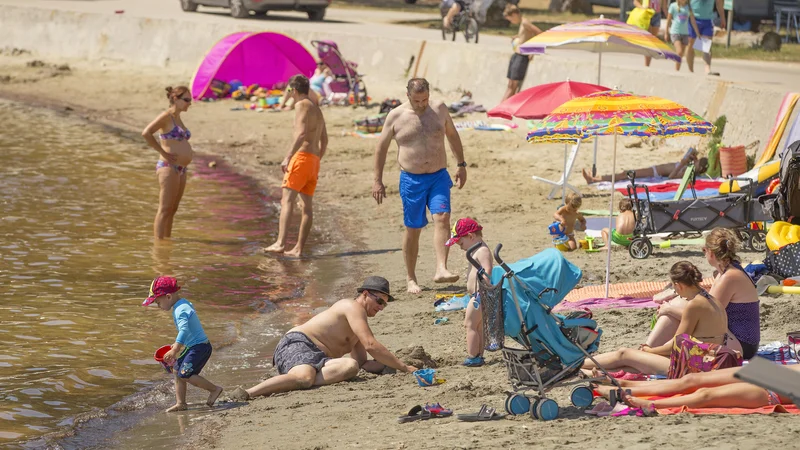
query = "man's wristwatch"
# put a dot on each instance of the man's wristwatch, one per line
(462, 164)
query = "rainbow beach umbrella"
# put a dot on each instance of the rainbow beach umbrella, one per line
(599, 36)
(617, 113)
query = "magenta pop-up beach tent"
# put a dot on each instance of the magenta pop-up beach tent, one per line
(261, 58)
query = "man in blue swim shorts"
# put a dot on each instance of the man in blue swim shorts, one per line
(704, 16)
(419, 130)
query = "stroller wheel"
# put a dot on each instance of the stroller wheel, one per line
(517, 404)
(758, 241)
(581, 396)
(640, 248)
(544, 409)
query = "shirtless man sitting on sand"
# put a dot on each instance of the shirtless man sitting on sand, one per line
(312, 354)
(301, 165)
(419, 131)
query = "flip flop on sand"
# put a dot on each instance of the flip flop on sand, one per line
(599, 408)
(485, 413)
(416, 413)
(438, 410)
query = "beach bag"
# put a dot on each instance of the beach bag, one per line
(389, 104)
(784, 262)
(640, 17)
(690, 355)
(372, 124)
(220, 88)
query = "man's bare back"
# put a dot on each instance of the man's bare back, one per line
(420, 137)
(310, 123)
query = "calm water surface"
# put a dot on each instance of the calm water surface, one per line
(77, 256)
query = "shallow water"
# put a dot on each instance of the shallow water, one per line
(77, 256)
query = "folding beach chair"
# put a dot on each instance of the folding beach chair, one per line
(765, 373)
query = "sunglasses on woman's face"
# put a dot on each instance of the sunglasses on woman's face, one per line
(187, 100)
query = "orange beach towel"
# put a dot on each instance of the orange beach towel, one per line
(636, 289)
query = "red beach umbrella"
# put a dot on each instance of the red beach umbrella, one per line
(539, 101)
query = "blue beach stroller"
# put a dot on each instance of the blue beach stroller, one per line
(519, 303)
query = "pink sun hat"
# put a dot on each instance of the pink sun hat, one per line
(161, 286)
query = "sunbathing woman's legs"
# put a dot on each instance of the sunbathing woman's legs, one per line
(663, 331)
(627, 358)
(739, 395)
(684, 385)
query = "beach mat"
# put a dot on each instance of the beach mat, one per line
(605, 303)
(636, 289)
(673, 187)
(791, 409)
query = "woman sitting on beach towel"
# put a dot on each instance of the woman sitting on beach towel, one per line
(703, 319)
(733, 289)
(716, 389)
(667, 170)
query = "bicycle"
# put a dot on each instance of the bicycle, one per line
(464, 20)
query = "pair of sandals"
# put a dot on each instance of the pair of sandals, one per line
(419, 412)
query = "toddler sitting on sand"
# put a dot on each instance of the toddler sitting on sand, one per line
(569, 217)
(466, 233)
(191, 349)
(623, 233)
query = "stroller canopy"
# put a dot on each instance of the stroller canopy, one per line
(252, 58)
(547, 269)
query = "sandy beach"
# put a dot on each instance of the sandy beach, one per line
(499, 193)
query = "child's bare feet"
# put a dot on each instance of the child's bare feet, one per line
(274, 248)
(212, 397)
(177, 407)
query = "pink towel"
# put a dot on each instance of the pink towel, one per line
(601, 303)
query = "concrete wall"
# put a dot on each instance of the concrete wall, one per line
(448, 66)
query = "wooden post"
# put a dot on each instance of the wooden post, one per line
(419, 58)
(729, 6)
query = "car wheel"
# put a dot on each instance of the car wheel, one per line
(238, 10)
(316, 15)
(188, 5)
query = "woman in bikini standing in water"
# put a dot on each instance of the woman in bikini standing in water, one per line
(176, 153)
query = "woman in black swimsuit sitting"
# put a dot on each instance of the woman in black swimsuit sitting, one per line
(176, 153)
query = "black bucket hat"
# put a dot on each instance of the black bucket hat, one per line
(376, 284)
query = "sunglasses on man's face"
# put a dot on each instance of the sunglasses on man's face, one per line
(380, 301)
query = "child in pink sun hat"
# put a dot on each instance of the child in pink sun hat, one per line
(466, 233)
(191, 349)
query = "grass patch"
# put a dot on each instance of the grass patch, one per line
(787, 53)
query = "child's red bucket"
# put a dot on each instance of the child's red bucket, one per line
(159, 356)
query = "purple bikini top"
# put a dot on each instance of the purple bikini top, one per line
(176, 133)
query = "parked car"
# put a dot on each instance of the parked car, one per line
(242, 8)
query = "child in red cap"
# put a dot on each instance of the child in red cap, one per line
(466, 233)
(191, 349)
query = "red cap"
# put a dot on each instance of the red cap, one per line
(161, 286)
(462, 228)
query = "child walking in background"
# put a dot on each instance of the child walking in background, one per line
(569, 216)
(466, 233)
(679, 16)
(623, 233)
(191, 349)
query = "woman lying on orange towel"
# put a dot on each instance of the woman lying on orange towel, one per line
(715, 389)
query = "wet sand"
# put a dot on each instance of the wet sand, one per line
(513, 210)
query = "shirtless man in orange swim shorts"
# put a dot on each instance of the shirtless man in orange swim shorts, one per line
(301, 165)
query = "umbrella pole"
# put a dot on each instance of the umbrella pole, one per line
(594, 160)
(611, 215)
(564, 178)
